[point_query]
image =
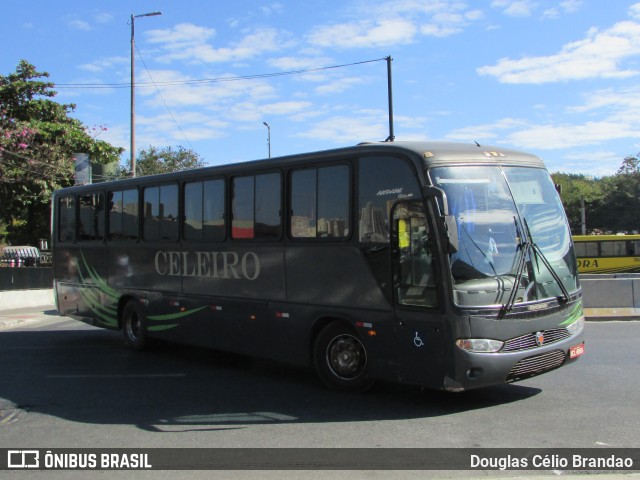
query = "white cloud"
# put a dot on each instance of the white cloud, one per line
(364, 33)
(634, 11)
(338, 86)
(189, 42)
(105, 64)
(299, 63)
(347, 129)
(209, 95)
(485, 132)
(396, 22)
(515, 8)
(605, 116)
(80, 25)
(568, 6)
(285, 108)
(545, 137)
(600, 55)
(600, 163)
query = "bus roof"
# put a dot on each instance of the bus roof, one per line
(447, 153)
(430, 154)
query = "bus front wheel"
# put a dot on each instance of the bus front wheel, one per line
(134, 328)
(340, 359)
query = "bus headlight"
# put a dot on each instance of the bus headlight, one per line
(576, 327)
(479, 345)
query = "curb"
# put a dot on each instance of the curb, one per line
(17, 299)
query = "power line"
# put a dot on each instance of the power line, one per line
(163, 100)
(212, 80)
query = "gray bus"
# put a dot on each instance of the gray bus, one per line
(444, 265)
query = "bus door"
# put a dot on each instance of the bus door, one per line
(419, 321)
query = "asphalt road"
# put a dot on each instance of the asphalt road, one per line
(65, 384)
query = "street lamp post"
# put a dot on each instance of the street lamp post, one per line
(133, 101)
(268, 137)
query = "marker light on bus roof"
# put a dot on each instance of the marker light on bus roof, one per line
(479, 345)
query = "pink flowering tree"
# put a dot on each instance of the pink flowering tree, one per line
(37, 141)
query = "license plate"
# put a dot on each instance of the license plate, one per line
(576, 351)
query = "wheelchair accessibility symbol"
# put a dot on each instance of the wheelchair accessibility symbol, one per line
(417, 341)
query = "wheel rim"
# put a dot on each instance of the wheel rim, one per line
(346, 357)
(133, 326)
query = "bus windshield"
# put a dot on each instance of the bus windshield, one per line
(514, 243)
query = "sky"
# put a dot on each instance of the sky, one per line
(560, 79)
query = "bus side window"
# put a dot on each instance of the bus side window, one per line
(204, 210)
(382, 181)
(123, 215)
(320, 203)
(66, 219)
(91, 217)
(256, 206)
(160, 215)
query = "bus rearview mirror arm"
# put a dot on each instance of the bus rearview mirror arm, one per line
(450, 223)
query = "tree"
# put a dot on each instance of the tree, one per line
(630, 166)
(579, 194)
(163, 160)
(37, 141)
(620, 212)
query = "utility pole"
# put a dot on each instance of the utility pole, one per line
(133, 98)
(391, 136)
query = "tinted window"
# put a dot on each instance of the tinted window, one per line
(66, 219)
(383, 181)
(320, 202)
(256, 206)
(204, 210)
(123, 215)
(160, 216)
(91, 216)
(267, 206)
(242, 224)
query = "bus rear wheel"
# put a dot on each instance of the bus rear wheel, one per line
(134, 328)
(340, 359)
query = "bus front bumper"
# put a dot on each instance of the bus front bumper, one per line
(477, 370)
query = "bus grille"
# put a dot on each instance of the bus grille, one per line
(536, 365)
(525, 342)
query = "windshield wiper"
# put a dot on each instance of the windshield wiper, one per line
(524, 246)
(541, 256)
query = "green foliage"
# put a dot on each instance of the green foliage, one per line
(164, 160)
(611, 203)
(37, 141)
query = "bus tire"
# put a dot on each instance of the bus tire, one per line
(134, 326)
(340, 359)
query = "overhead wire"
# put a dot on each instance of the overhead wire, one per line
(212, 80)
(164, 101)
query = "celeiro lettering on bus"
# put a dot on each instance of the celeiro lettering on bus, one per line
(226, 265)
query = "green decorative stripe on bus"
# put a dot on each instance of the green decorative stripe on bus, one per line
(575, 315)
(99, 281)
(105, 314)
(170, 317)
(90, 293)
